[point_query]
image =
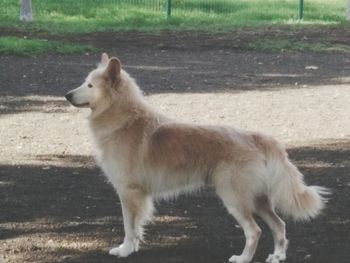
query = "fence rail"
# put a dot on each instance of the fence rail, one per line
(181, 12)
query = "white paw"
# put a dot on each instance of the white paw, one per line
(123, 250)
(238, 259)
(273, 258)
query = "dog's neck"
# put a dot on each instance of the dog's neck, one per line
(126, 107)
(120, 115)
(116, 116)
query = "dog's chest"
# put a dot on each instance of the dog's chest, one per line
(113, 167)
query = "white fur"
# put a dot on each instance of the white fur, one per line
(146, 156)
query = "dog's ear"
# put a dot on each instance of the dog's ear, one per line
(113, 69)
(104, 59)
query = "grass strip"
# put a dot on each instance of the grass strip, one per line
(32, 47)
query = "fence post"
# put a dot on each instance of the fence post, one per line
(300, 9)
(167, 8)
(25, 11)
(348, 10)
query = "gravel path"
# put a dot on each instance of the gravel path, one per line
(296, 116)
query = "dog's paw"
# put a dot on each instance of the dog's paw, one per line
(238, 259)
(273, 258)
(122, 251)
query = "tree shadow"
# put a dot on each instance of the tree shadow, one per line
(74, 200)
(199, 71)
(17, 105)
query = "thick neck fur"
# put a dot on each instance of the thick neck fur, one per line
(122, 107)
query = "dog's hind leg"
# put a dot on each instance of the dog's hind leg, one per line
(252, 234)
(137, 208)
(277, 227)
(245, 219)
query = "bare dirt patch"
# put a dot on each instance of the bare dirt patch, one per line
(55, 206)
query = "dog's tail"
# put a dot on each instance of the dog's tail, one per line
(291, 196)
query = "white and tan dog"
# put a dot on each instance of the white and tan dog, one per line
(146, 155)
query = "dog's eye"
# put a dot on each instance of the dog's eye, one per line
(90, 85)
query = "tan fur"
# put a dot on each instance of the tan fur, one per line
(146, 155)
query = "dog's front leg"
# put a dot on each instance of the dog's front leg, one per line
(137, 208)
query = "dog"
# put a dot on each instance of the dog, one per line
(147, 156)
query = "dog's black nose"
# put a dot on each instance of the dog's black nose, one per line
(69, 96)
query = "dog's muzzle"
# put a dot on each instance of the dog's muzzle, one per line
(69, 96)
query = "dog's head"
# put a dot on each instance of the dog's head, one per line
(100, 85)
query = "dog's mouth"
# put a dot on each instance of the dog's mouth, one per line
(69, 97)
(84, 105)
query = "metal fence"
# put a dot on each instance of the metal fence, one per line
(172, 7)
(288, 9)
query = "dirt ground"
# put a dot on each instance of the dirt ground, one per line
(55, 205)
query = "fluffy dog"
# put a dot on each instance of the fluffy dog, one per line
(146, 155)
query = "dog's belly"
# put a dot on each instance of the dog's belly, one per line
(167, 182)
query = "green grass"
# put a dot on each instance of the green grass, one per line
(33, 47)
(82, 16)
(278, 45)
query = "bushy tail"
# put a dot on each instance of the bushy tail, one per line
(290, 195)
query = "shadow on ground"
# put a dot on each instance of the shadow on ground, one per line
(18, 104)
(177, 65)
(74, 204)
(174, 63)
